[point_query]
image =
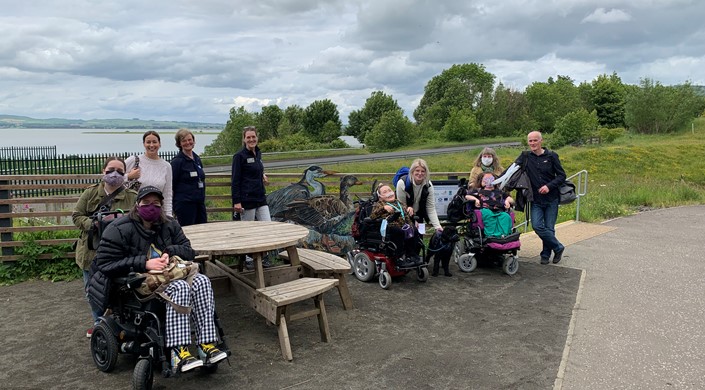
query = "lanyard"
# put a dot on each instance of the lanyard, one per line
(400, 209)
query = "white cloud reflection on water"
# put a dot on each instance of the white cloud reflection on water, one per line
(88, 141)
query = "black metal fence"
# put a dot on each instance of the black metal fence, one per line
(45, 161)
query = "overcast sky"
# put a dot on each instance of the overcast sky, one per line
(195, 59)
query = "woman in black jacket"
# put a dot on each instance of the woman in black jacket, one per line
(248, 180)
(188, 181)
(143, 241)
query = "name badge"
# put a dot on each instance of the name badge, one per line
(250, 160)
(193, 174)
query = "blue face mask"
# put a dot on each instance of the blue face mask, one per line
(383, 228)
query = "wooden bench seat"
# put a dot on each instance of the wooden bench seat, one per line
(273, 303)
(320, 264)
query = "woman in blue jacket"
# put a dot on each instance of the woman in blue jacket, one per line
(248, 180)
(188, 181)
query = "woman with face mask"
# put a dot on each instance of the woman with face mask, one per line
(108, 195)
(143, 241)
(486, 162)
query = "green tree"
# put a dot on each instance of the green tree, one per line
(229, 140)
(551, 100)
(267, 122)
(608, 99)
(653, 108)
(316, 115)
(361, 122)
(292, 122)
(505, 115)
(461, 126)
(392, 131)
(574, 128)
(459, 87)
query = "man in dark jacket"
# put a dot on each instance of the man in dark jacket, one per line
(546, 175)
(142, 241)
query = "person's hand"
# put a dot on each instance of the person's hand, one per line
(410, 211)
(507, 205)
(157, 263)
(134, 174)
(543, 190)
(439, 229)
(477, 203)
(388, 208)
(265, 179)
(237, 207)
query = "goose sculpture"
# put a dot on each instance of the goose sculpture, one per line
(323, 213)
(279, 199)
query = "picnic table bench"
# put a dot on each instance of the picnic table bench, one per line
(320, 264)
(269, 291)
(273, 303)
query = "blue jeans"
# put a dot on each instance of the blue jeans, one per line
(543, 220)
(86, 279)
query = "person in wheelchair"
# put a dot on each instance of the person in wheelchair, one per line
(142, 241)
(400, 227)
(495, 205)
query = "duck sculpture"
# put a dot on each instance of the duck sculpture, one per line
(328, 218)
(279, 199)
(324, 211)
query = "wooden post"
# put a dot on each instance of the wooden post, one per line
(6, 222)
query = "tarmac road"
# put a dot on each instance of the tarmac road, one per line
(366, 157)
(640, 318)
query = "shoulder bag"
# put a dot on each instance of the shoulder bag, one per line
(99, 222)
(134, 184)
(155, 282)
(567, 192)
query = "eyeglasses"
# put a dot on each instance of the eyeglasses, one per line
(119, 171)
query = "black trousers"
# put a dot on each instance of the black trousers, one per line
(190, 213)
(405, 246)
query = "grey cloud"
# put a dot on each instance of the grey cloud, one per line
(603, 16)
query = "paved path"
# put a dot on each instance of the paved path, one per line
(639, 319)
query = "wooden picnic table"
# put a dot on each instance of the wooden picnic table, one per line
(270, 291)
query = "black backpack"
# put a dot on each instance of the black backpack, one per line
(458, 209)
(364, 209)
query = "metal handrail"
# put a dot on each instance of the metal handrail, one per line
(581, 186)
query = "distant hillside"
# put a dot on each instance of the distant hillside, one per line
(699, 89)
(14, 121)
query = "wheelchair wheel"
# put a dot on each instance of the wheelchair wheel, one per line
(467, 262)
(385, 280)
(143, 375)
(510, 265)
(364, 267)
(422, 274)
(104, 347)
(458, 250)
